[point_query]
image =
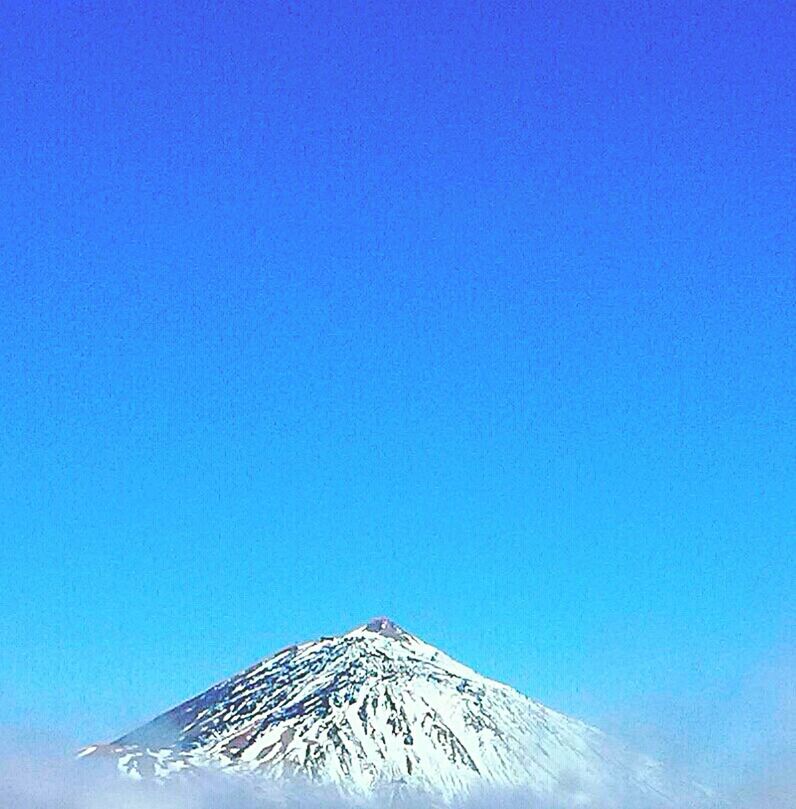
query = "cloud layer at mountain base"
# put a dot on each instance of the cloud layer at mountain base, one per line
(54, 782)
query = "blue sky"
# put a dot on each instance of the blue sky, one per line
(478, 317)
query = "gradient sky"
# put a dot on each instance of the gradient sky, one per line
(480, 317)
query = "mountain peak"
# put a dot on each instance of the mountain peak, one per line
(384, 626)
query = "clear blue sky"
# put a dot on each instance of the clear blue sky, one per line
(478, 317)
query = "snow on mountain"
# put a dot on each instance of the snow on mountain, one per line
(378, 712)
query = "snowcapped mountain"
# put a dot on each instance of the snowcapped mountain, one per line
(378, 711)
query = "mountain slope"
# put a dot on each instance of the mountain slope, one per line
(378, 710)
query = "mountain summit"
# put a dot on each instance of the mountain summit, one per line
(379, 711)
